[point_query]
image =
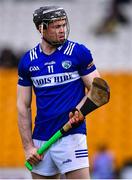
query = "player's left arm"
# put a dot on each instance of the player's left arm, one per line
(88, 79)
(98, 95)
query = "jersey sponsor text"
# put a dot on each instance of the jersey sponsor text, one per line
(55, 79)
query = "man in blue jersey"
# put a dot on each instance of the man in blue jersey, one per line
(59, 70)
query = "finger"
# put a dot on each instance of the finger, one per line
(39, 157)
(70, 115)
(34, 160)
(76, 114)
(72, 120)
(31, 161)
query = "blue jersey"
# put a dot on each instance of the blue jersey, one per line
(56, 80)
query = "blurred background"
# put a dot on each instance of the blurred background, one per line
(105, 27)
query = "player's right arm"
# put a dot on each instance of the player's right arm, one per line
(24, 115)
(24, 97)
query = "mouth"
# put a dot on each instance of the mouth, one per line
(61, 38)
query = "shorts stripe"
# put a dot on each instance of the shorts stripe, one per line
(81, 156)
(81, 150)
(81, 153)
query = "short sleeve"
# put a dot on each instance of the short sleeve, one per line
(86, 64)
(23, 72)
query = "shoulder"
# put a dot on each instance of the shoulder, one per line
(83, 54)
(82, 49)
(34, 52)
(24, 61)
(69, 47)
(75, 48)
(29, 56)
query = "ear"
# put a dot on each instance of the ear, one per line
(40, 28)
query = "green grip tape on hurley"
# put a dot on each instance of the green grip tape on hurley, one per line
(48, 143)
(29, 166)
(45, 146)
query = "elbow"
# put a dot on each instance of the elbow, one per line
(22, 109)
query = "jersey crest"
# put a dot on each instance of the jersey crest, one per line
(66, 64)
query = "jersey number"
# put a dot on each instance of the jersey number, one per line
(50, 69)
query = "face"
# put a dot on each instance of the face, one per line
(56, 31)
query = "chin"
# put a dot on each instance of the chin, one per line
(62, 41)
(58, 43)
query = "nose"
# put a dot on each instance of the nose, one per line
(62, 29)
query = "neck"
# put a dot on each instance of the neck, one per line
(47, 48)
